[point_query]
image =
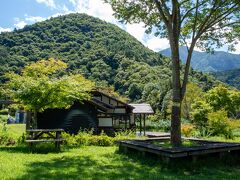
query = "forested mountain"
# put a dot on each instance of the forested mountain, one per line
(100, 51)
(231, 77)
(218, 61)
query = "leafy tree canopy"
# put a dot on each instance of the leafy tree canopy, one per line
(40, 87)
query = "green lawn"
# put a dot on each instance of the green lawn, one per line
(16, 130)
(95, 162)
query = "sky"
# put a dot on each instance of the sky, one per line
(18, 13)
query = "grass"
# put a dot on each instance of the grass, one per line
(95, 162)
(16, 130)
(167, 144)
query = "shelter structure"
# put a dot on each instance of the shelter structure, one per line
(141, 111)
(101, 113)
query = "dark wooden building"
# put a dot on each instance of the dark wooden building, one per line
(102, 112)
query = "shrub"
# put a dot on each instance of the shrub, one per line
(164, 125)
(235, 123)
(3, 118)
(4, 112)
(5, 138)
(187, 129)
(87, 138)
(219, 124)
(200, 115)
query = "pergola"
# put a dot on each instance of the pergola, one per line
(142, 110)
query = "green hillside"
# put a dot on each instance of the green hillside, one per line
(231, 77)
(207, 62)
(100, 51)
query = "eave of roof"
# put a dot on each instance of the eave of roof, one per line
(126, 104)
(143, 108)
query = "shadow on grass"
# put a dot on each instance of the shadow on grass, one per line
(39, 149)
(131, 166)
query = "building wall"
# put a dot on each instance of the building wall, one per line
(79, 116)
(105, 122)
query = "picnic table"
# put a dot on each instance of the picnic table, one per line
(44, 135)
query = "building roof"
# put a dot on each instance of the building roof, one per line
(111, 97)
(142, 109)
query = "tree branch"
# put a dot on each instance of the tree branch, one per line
(187, 68)
(220, 18)
(195, 20)
(165, 8)
(191, 9)
(161, 12)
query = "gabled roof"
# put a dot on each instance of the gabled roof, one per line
(97, 105)
(142, 108)
(95, 92)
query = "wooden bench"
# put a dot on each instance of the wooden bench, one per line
(44, 135)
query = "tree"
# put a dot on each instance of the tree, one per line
(202, 23)
(39, 87)
(193, 93)
(221, 97)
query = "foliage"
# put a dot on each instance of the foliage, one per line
(200, 115)
(193, 23)
(234, 123)
(231, 77)
(87, 138)
(100, 51)
(38, 87)
(221, 97)
(159, 125)
(187, 129)
(218, 124)
(5, 137)
(3, 118)
(4, 112)
(217, 63)
(193, 94)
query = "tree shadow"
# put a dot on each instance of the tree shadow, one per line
(40, 149)
(121, 166)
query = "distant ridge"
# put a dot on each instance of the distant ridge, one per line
(206, 62)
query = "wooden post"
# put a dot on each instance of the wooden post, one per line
(144, 125)
(140, 124)
(28, 120)
(125, 122)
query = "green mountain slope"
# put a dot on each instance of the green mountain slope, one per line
(231, 77)
(206, 62)
(100, 51)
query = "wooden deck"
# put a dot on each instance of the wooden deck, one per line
(205, 147)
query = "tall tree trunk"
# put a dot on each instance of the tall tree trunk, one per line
(176, 98)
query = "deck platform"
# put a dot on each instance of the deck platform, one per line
(204, 147)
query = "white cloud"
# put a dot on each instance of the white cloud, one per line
(33, 19)
(5, 29)
(65, 9)
(99, 9)
(136, 30)
(96, 8)
(49, 3)
(157, 44)
(237, 48)
(20, 24)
